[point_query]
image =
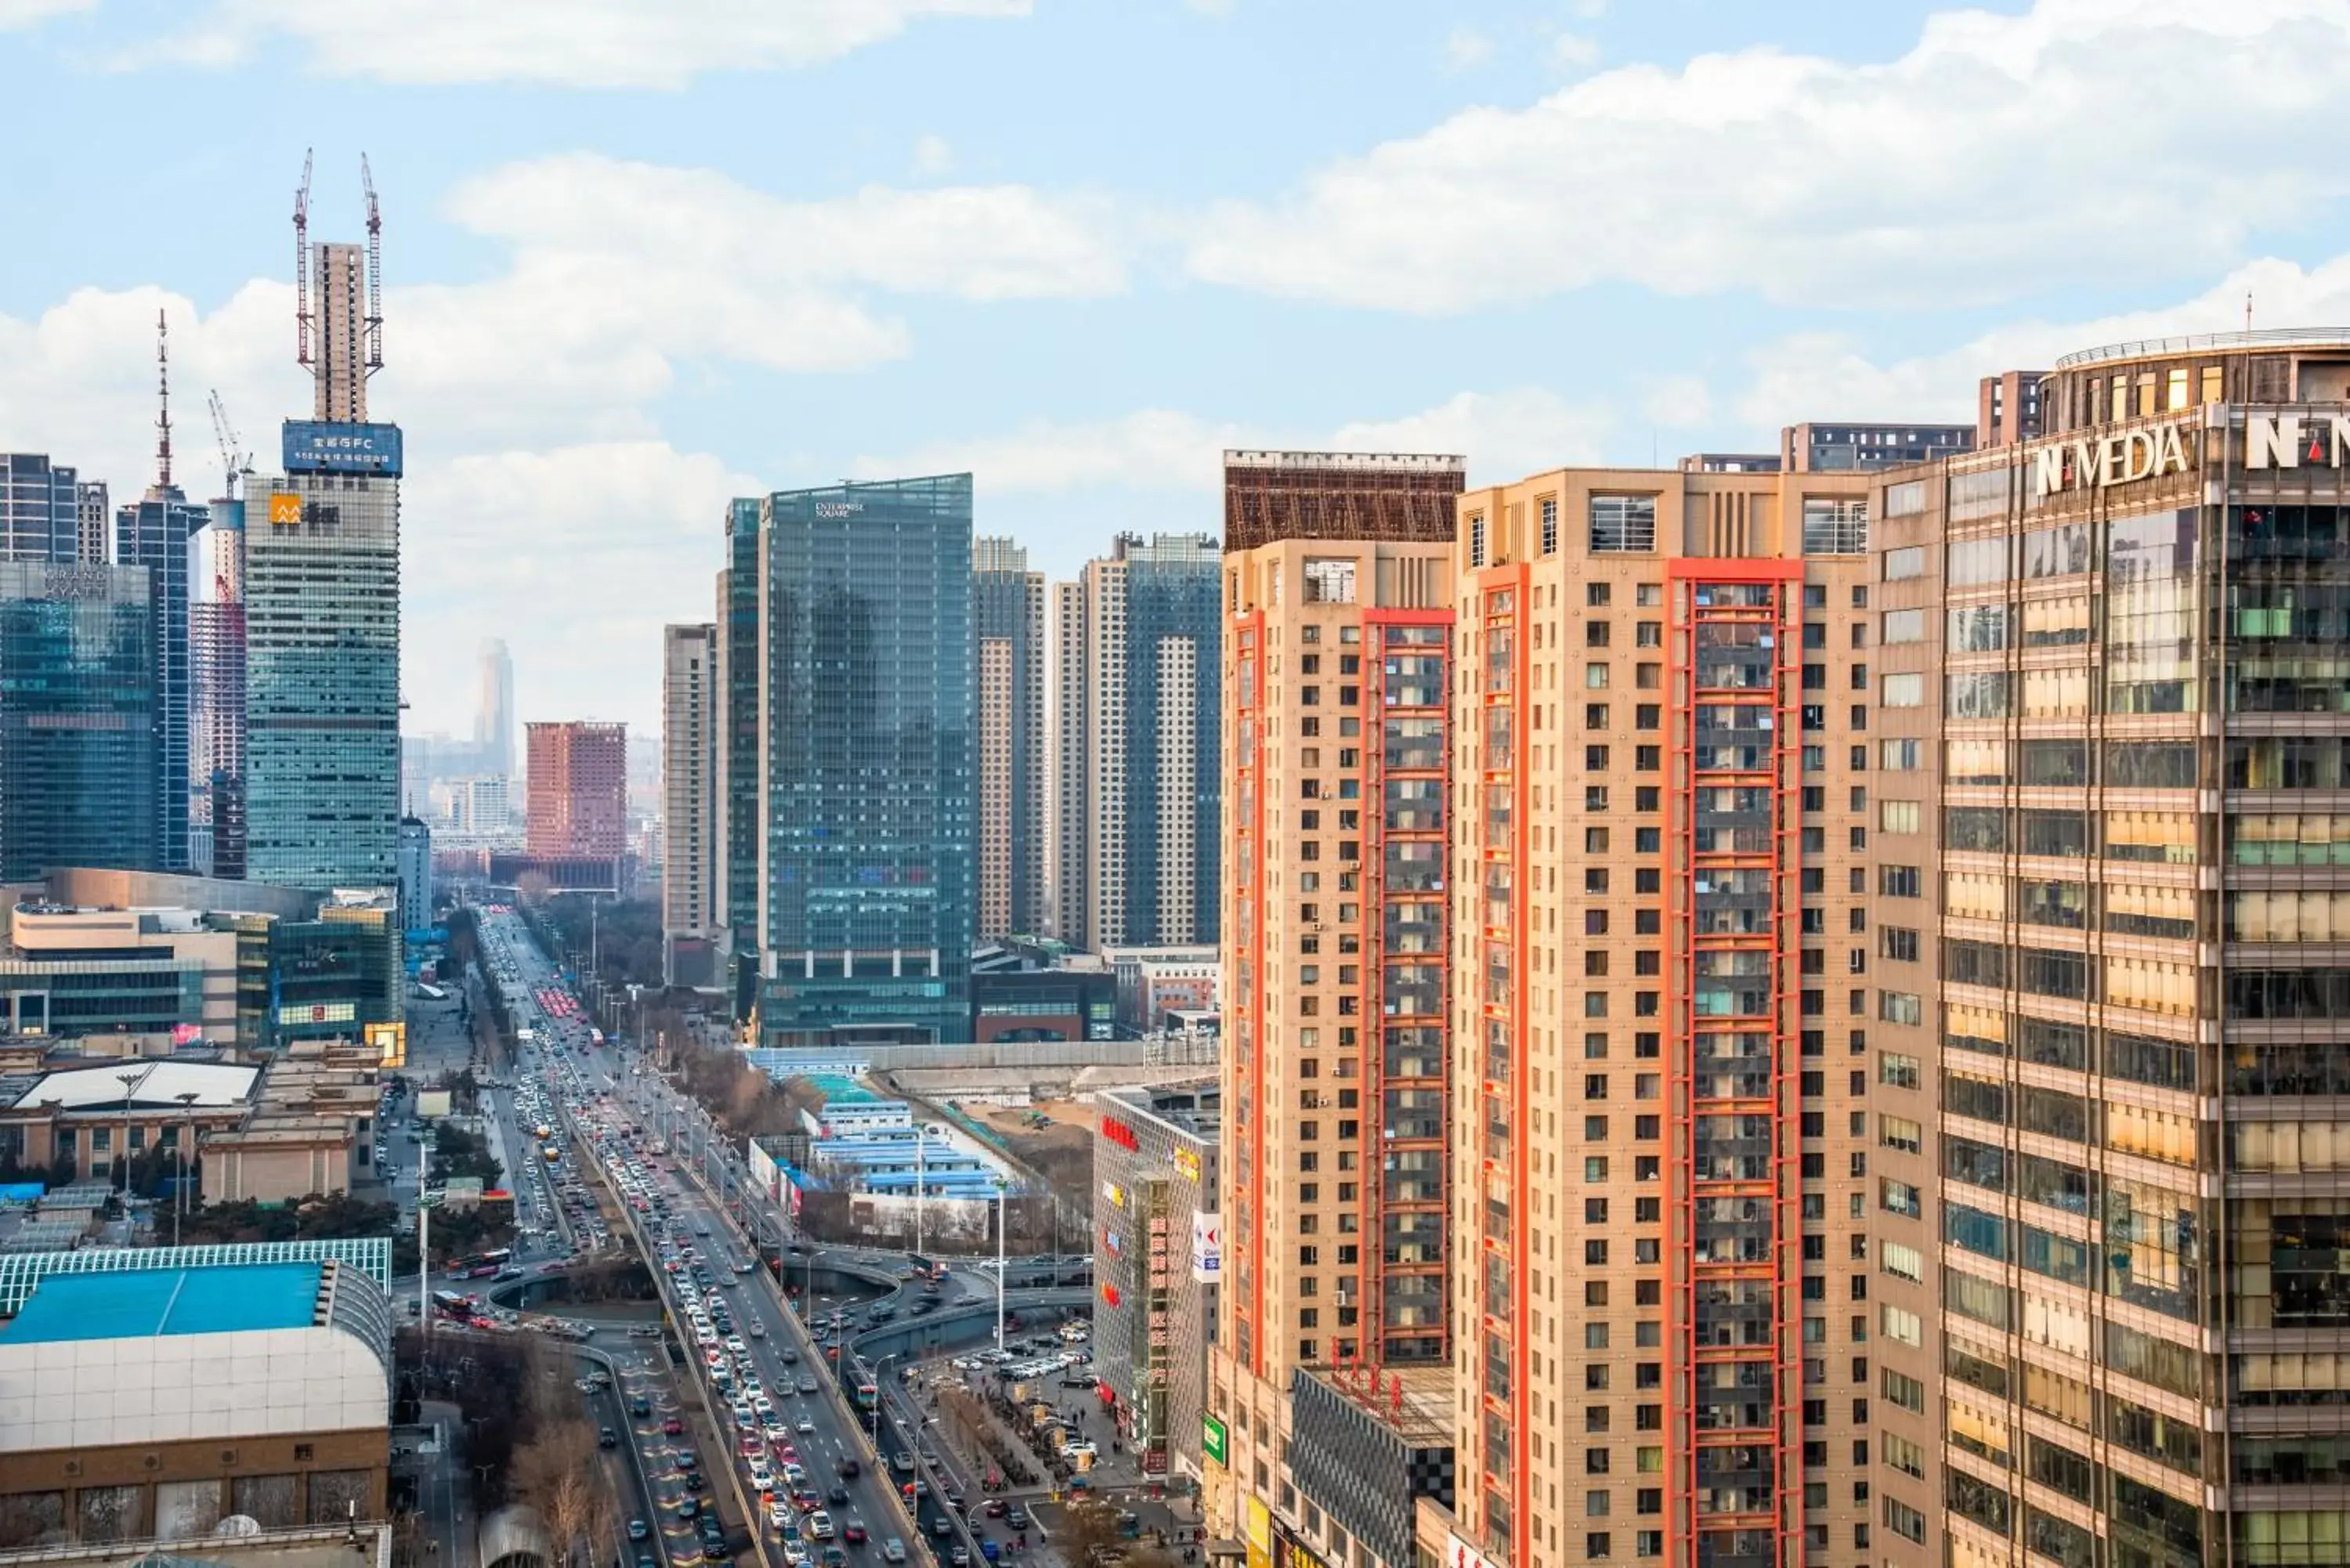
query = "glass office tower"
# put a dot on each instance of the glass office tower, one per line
(155, 532)
(322, 680)
(38, 509)
(866, 784)
(2113, 1161)
(77, 718)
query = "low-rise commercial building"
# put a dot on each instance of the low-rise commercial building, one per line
(161, 1402)
(1154, 981)
(1158, 1254)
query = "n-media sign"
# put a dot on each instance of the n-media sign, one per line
(320, 447)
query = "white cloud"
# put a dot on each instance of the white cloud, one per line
(1678, 400)
(932, 155)
(32, 12)
(1504, 435)
(571, 43)
(1465, 48)
(1828, 376)
(1966, 170)
(1572, 51)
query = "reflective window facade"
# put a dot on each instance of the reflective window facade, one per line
(77, 718)
(867, 789)
(322, 680)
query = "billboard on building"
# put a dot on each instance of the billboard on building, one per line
(390, 1042)
(431, 1104)
(285, 509)
(1207, 1248)
(319, 446)
(1213, 1442)
(302, 1012)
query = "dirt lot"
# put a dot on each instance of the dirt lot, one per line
(1063, 1153)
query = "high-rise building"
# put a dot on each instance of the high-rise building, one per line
(91, 517)
(2007, 409)
(493, 718)
(1067, 812)
(691, 840)
(415, 846)
(855, 693)
(1663, 790)
(217, 763)
(1007, 615)
(1336, 1218)
(2113, 712)
(40, 510)
(1819, 448)
(579, 791)
(77, 718)
(1132, 747)
(157, 532)
(742, 658)
(322, 611)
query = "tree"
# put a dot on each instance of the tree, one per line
(1089, 1530)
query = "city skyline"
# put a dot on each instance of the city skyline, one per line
(1168, 296)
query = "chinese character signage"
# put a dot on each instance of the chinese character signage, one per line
(284, 510)
(316, 447)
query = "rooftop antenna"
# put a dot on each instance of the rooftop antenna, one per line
(302, 265)
(233, 467)
(163, 396)
(375, 271)
(2248, 310)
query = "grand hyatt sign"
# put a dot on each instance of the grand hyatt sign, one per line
(2125, 456)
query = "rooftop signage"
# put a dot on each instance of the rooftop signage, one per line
(2098, 462)
(2295, 440)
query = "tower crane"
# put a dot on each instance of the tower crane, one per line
(234, 468)
(302, 264)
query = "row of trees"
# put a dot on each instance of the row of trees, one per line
(744, 1100)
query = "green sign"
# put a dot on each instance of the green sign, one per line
(1212, 1439)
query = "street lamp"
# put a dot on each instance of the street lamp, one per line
(187, 1099)
(1002, 1197)
(129, 1082)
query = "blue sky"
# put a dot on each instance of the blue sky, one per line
(641, 256)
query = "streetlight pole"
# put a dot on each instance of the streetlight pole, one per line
(187, 1099)
(131, 1081)
(921, 1143)
(1003, 1212)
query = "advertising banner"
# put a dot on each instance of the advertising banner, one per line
(1207, 1248)
(315, 446)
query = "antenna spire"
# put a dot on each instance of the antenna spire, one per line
(302, 265)
(2248, 310)
(163, 396)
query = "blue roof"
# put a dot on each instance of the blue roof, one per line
(149, 1302)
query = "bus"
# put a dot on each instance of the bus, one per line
(450, 1304)
(924, 1268)
(494, 1260)
(869, 1393)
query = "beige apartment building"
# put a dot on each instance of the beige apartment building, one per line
(1660, 930)
(1334, 1094)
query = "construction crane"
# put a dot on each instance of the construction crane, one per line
(234, 468)
(302, 264)
(375, 271)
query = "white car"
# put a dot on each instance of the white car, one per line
(734, 1343)
(805, 1426)
(758, 1329)
(778, 1512)
(820, 1525)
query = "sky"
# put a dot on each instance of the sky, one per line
(641, 258)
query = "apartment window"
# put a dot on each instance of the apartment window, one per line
(1477, 541)
(1902, 626)
(1897, 1071)
(1550, 525)
(1902, 690)
(1903, 1262)
(1835, 526)
(1900, 1325)
(1900, 1133)
(1596, 596)
(1621, 523)
(1594, 715)
(1595, 634)
(1898, 942)
(1904, 1521)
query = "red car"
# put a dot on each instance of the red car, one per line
(853, 1532)
(672, 1428)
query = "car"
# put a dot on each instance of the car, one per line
(837, 1496)
(893, 1551)
(607, 1439)
(954, 1499)
(805, 1428)
(834, 1557)
(639, 1530)
(1016, 1516)
(688, 1508)
(941, 1526)
(779, 1514)
(806, 1386)
(693, 1480)
(994, 1508)
(959, 1555)
(854, 1532)
(791, 1357)
(849, 1469)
